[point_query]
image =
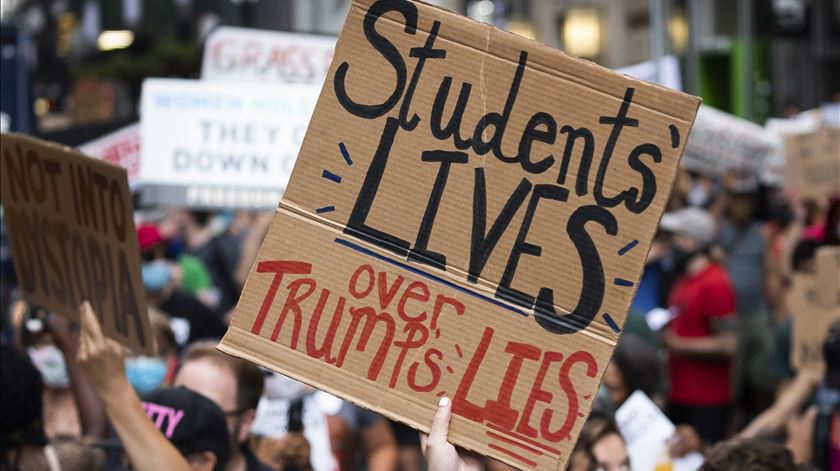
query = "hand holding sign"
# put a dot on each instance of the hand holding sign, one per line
(440, 454)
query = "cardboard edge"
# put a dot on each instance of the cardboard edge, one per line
(595, 329)
(67, 149)
(227, 346)
(524, 43)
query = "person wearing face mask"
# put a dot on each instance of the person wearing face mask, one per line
(193, 276)
(149, 373)
(69, 407)
(191, 320)
(23, 441)
(701, 340)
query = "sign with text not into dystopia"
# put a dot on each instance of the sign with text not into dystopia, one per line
(71, 227)
(468, 216)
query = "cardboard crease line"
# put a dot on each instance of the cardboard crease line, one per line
(596, 328)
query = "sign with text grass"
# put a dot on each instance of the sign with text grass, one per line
(468, 216)
(71, 229)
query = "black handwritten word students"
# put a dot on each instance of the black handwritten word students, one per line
(487, 138)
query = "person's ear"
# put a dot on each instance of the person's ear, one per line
(245, 422)
(203, 461)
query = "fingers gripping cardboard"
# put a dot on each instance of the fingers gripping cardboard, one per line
(468, 216)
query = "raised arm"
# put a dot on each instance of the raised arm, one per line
(91, 414)
(101, 360)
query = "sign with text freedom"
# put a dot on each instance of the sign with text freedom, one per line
(468, 216)
(219, 145)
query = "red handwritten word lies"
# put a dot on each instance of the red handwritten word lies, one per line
(392, 324)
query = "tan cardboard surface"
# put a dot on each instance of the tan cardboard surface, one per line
(389, 277)
(828, 275)
(813, 161)
(815, 305)
(71, 229)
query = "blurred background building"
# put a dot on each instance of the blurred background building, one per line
(72, 69)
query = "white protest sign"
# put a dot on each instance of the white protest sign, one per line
(272, 420)
(252, 55)
(646, 430)
(218, 145)
(120, 147)
(720, 141)
(669, 72)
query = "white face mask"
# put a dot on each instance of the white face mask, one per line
(50, 362)
(278, 386)
(698, 196)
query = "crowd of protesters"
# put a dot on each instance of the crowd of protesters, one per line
(721, 265)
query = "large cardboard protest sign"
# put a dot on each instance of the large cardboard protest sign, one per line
(253, 55)
(815, 304)
(72, 234)
(720, 141)
(468, 216)
(220, 145)
(813, 161)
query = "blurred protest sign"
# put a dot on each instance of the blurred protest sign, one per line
(813, 162)
(218, 145)
(272, 420)
(828, 274)
(774, 172)
(669, 69)
(72, 233)
(646, 431)
(815, 304)
(476, 231)
(121, 147)
(253, 55)
(720, 141)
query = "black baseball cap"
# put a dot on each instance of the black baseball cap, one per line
(190, 421)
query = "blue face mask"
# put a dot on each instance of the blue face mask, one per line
(145, 373)
(603, 401)
(156, 275)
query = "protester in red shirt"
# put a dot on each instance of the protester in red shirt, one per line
(701, 340)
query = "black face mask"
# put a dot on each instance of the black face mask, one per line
(680, 258)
